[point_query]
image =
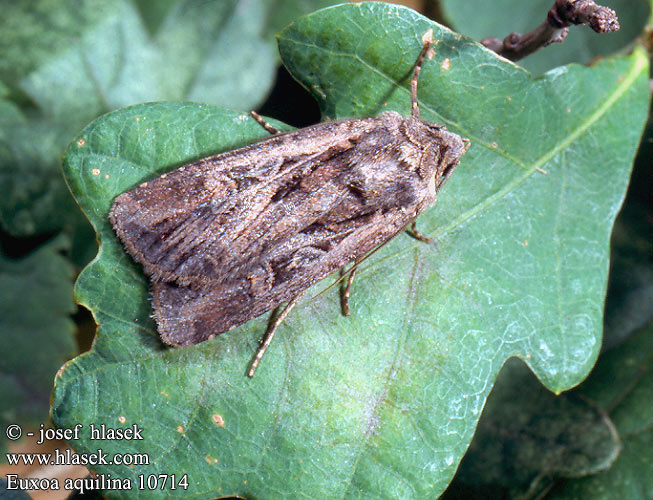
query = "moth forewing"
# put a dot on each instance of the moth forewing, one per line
(232, 236)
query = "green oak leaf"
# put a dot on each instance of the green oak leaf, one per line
(381, 404)
(479, 19)
(36, 331)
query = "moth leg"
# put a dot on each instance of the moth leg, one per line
(263, 123)
(346, 290)
(267, 338)
(416, 234)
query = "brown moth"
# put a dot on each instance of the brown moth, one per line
(229, 237)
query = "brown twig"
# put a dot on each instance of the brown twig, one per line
(563, 14)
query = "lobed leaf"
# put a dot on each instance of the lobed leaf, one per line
(381, 404)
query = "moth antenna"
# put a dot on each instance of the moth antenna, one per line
(427, 38)
(267, 338)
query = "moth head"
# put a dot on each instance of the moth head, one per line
(441, 154)
(452, 148)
